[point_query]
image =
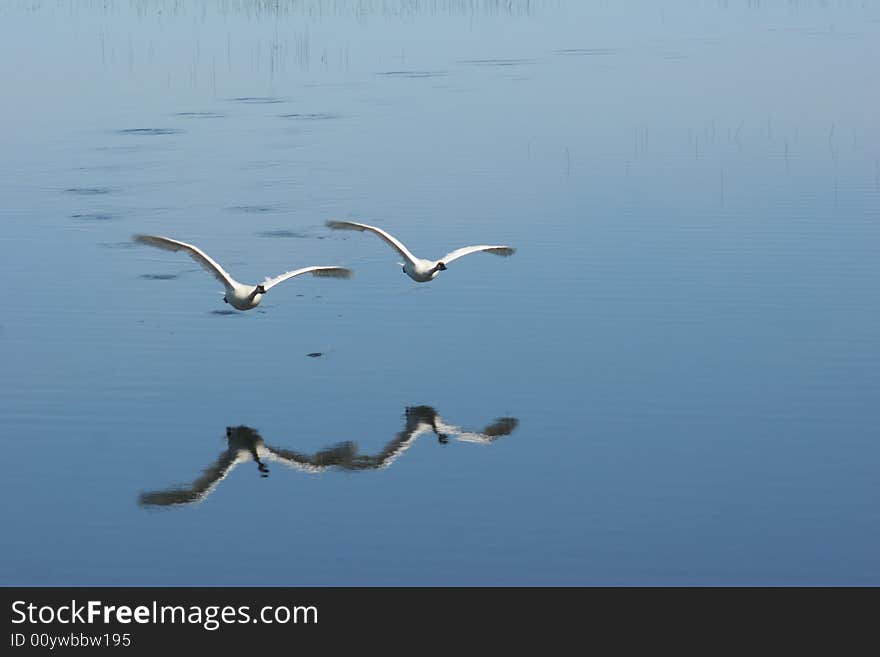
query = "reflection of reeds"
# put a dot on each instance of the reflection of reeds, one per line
(363, 9)
(359, 9)
(289, 44)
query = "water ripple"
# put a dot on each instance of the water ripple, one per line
(251, 209)
(413, 74)
(88, 191)
(257, 100)
(93, 216)
(313, 116)
(199, 115)
(496, 62)
(160, 277)
(149, 132)
(287, 234)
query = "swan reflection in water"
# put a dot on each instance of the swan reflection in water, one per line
(245, 444)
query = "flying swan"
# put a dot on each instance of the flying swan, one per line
(419, 269)
(239, 295)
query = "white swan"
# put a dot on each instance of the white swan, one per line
(239, 295)
(419, 269)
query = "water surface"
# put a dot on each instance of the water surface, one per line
(673, 381)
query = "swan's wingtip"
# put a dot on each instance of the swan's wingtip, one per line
(152, 240)
(343, 225)
(148, 240)
(503, 426)
(334, 272)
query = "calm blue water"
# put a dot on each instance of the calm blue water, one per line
(683, 353)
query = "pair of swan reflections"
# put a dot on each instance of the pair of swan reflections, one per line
(245, 444)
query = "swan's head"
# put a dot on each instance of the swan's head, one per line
(441, 266)
(260, 289)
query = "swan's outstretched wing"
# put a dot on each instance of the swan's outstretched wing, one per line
(467, 250)
(201, 487)
(395, 243)
(339, 456)
(419, 420)
(501, 427)
(394, 449)
(194, 252)
(330, 272)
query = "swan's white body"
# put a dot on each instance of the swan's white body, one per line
(420, 269)
(239, 295)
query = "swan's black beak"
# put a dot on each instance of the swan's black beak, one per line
(441, 266)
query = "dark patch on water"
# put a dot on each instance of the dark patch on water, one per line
(257, 100)
(130, 147)
(283, 234)
(93, 216)
(261, 165)
(413, 74)
(199, 115)
(585, 52)
(117, 245)
(160, 277)
(496, 62)
(149, 132)
(251, 209)
(100, 167)
(88, 191)
(311, 116)
(224, 312)
(315, 354)
(813, 31)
